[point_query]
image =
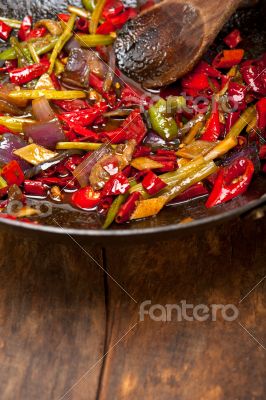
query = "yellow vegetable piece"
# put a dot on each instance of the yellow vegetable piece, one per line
(45, 82)
(141, 163)
(149, 207)
(35, 154)
(79, 145)
(195, 149)
(27, 212)
(13, 123)
(49, 94)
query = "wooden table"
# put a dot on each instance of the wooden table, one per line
(69, 330)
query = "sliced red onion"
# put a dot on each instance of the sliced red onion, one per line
(42, 110)
(8, 144)
(71, 44)
(83, 170)
(250, 151)
(46, 134)
(6, 107)
(156, 142)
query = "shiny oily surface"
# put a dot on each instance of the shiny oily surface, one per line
(64, 219)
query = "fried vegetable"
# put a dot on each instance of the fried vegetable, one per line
(35, 154)
(142, 163)
(49, 94)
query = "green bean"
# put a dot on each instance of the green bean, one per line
(33, 53)
(89, 5)
(14, 23)
(242, 122)
(66, 35)
(40, 46)
(94, 40)
(22, 55)
(96, 15)
(79, 11)
(174, 177)
(79, 145)
(113, 210)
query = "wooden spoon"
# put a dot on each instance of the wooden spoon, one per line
(165, 42)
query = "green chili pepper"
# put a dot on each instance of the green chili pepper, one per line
(96, 15)
(23, 55)
(14, 23)
(162, 121)
(113, 210)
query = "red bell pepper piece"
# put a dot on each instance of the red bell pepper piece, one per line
(12, 173)
(233, 39)
(5, 30)
(132, 128)
(127, 209)
(19, 76)
(82, 117)
(85, 133)
(63, 17)
(117, 184)
(112, 8)
(198, 78)
(105, 28)
(35, 188)
(228, 58)
(86, 198)
(254, 75)
(213, 127)
(25, 28)
(37, 33)
(237, 96)
(231, 182)
(261, 112)
(119, 20)
(152, 183)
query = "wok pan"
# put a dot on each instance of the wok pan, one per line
(61, 221)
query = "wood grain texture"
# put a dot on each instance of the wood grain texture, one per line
(189, 360)
(59, 314)
(52, 320)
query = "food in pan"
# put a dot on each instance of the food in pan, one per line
(75, 130)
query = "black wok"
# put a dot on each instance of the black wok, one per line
(65, 220)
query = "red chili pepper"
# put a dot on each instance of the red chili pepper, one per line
(213, 127)
(142, 151)
(254, 75)
(5, 30)
(72, 162)
(152, 183)
(130, 96)
(25, 28)
(13, 173)
(148, 4)
(117, 184)
(261, 112)
(85, 132)
(127, 208)
(233, 39)
(82, 25)
(262, 153)
(86, 198)
(63, 17)
(37, 33)
(132, 128)
(231, 120)
(35, 188)
(105, 28)
(55, 81)
(71, 105)
(19, 76)
(228, 58)
(168, 166)
(237, 96)
(4, 129)
(231, 182)
(67, 182)
(196, 190)
(198, 78)
(105, 204)
(82, 117)
(112, 8)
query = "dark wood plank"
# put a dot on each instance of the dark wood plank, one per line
(189, 360)
(52, 320)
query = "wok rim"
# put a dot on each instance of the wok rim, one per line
(138, 232)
